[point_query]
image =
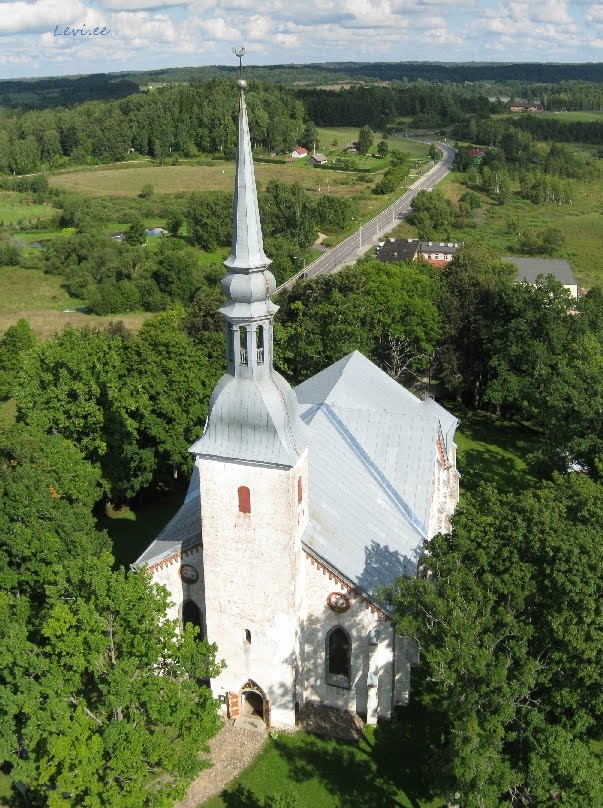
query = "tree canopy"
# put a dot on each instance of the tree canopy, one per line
(508, 616)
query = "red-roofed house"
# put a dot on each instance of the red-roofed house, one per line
(299, 152)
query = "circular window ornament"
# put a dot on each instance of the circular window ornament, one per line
(189, 574)
(338, 602)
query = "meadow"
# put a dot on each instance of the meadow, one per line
(41, 299)
(581, 223)
(579, 115)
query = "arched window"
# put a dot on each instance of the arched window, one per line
(260, 344)
(248, 636)
(300, 491)
(191, 613)
(244, 499)
(243, 344)
(338, 657)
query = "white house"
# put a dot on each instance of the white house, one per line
(302, 504)
(299, 152)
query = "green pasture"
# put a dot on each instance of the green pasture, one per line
(581, 223)
(41, 300)
(13, 210)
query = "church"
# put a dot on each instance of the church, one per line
(303, 504)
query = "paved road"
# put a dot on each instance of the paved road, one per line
(350, 250)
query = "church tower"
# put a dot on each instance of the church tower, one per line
(253, 470)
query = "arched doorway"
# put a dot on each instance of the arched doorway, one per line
(254, 703)
(191, 613)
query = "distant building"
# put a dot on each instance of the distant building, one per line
(318, 159)
(156, 231)
(437, 253)
(525, 106)
(528, 270)
(299, 152)
(352, 147)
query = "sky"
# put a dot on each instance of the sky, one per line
(143, 35)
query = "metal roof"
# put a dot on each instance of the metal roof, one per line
(372, 457)
(253, 420)
(528, 269)
(181, 532)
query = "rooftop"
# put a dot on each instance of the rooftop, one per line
(528, 269)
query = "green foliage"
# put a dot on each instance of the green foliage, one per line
(541, 242)
(431, 214)
(147, 191)
(209, 219)
(387, 313)
(137, 234)
(17, 339)
(335, 211)
(99, 695)
(287, 210)
(394, 176)
(509, 627)
(383, 148)
(365, 139)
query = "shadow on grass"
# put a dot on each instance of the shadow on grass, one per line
(388, 767)
(493, 450)
(133, 528)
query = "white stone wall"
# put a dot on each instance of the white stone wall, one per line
(253, 574)
(168, 575)
(360, 623)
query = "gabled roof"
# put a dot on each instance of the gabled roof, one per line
(371, 455)
(528, 269)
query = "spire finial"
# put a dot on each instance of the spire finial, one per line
(239, 53)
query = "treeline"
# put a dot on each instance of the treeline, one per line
(517, 137)
(429, 105)
(522, 74)
(184, 119)
(64, 91)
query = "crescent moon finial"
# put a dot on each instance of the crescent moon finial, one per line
(239, 53)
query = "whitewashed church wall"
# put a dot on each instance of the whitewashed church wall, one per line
(358, 622)
(253, 570)
(168, 575)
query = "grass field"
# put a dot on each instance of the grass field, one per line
(384, 770)
(581, 223)
(492, 450)
(41, 299)
(344, 135)
(580, 115)
(13, 208)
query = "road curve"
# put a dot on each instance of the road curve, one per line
(350, 250)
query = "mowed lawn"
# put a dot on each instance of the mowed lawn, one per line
(387, 768)
(41, 299)
(14, 208)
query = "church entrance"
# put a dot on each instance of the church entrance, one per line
(254, 703)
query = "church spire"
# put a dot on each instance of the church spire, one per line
(253, 415)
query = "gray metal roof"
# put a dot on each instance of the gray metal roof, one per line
(528, 269)
(372, 456)
(253, 420)
(181, 532)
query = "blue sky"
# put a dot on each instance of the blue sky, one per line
(146, 35)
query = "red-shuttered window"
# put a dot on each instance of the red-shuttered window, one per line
(300, 490)
(244, 499)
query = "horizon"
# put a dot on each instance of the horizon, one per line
(142, 35)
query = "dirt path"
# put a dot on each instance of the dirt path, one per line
(231, 751)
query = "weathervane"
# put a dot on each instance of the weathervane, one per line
(239, 53)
